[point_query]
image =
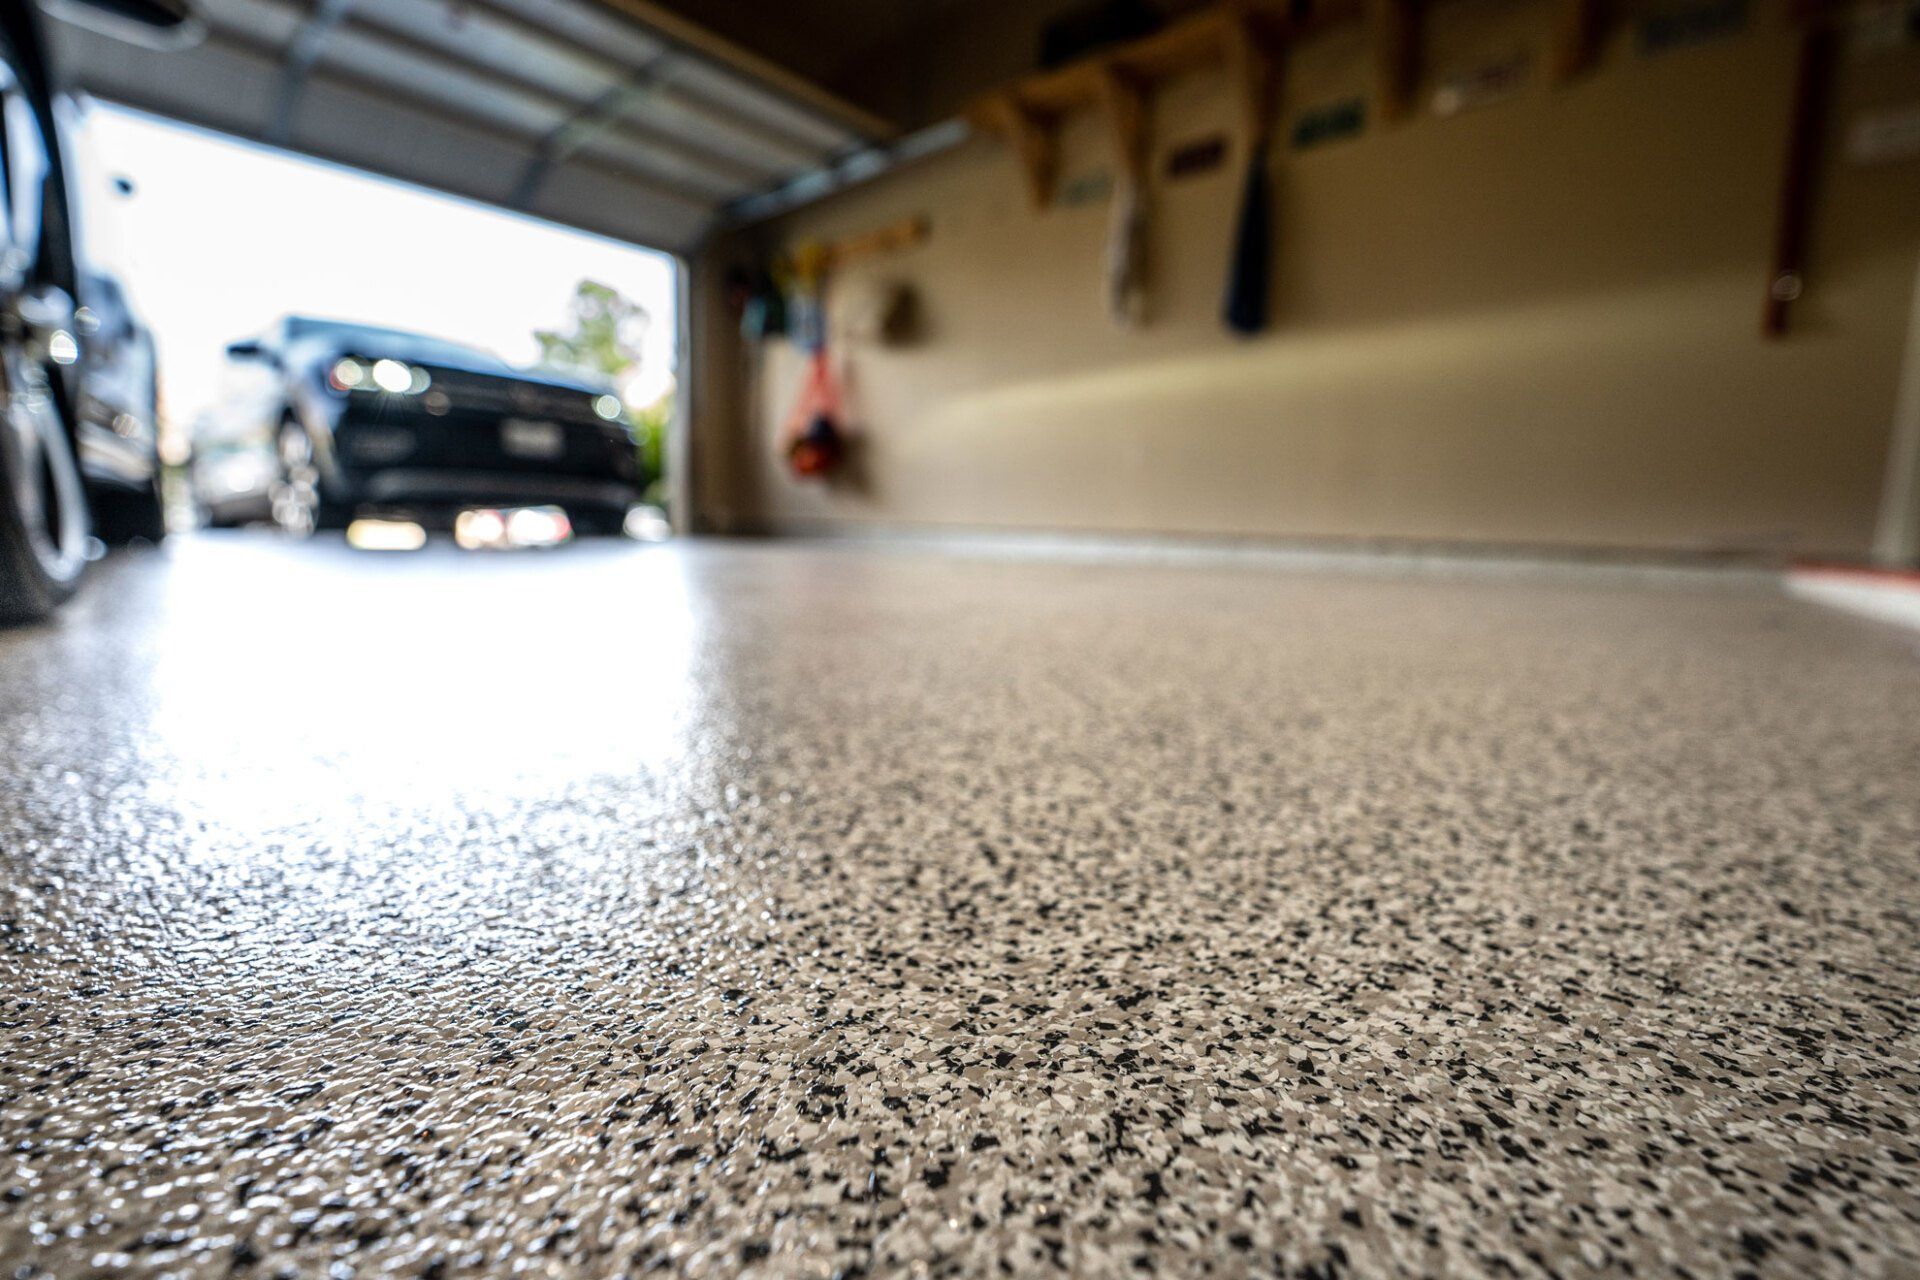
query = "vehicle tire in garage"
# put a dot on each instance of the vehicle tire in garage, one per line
(43, 506)
(597, 522)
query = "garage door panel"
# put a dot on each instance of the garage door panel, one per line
(219, 85)
(766, 110)
(388, 137)
(474, 34)
(723, 128)
(684, 169)
(272, 24)
(562, 108)
(467, 93)
(587, 26)
(589, 199)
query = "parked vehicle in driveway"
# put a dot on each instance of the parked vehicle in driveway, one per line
(119, 413)
(324, 419)
(78, 399)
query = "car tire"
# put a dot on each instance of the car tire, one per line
(598, 522)
(44, 522)
(300, 504)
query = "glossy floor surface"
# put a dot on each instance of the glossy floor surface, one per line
(802, 911)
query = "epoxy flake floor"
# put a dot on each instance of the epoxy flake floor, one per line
(801, 911)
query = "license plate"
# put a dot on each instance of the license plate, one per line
(532, 439)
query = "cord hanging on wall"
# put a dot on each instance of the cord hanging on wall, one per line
(1812, 94)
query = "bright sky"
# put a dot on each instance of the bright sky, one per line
(221, 237)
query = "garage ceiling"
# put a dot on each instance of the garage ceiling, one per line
(616, 116)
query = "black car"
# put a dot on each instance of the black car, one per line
(119, 412)
(323, 420)
(78, 399)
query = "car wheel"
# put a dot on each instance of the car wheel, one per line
(43, 506)
(598, 522)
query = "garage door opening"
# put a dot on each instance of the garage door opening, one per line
(342, 352)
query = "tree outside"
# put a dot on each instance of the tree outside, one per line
(605, 336)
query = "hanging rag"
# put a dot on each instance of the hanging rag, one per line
(1126, 276)
(815, 443)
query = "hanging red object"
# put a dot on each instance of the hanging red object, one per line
(816, 445)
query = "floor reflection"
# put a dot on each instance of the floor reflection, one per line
(293, 680)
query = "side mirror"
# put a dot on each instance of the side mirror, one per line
(158, 24)
(251, 349)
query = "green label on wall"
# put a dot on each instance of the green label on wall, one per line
(1330, 122)
(1680, 26)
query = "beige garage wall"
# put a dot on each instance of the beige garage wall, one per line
(1533, 323)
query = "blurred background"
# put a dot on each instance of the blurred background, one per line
(1569, 277)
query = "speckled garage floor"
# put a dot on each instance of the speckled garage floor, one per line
(812, 911)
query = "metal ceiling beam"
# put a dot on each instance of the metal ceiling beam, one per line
(858, 166)
(302, 52)
(580, 128)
